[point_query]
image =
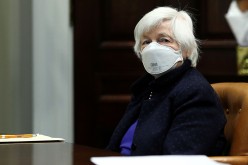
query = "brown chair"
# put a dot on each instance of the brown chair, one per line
(234, 98)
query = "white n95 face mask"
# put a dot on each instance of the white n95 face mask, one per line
(158, 58)
(238, 22)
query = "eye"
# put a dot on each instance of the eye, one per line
(146, 42)
(163, 40)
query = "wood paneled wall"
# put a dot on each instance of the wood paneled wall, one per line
(105, 65)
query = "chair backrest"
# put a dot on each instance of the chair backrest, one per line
(234, 98)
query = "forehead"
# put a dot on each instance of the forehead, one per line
(163, 28)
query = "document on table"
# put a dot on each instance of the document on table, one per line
(22, 138)
(155, 160)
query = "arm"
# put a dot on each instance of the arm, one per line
(198, 123)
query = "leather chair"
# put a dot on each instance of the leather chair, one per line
(234, 98)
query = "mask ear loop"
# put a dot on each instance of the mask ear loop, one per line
(181, 58)
(139, 55)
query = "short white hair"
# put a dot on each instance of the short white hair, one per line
(181, 26)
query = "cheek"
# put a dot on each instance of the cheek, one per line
(142, 47)
(174, 46)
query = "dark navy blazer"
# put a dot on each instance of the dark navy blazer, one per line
(183, 115)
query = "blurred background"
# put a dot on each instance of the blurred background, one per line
(36, 57)
(66, 65)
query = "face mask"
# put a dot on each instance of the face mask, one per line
(158, 58)
(237, 21)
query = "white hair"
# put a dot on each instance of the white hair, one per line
(181, 27)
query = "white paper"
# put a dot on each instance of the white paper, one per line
(36, 138)
(156, 160)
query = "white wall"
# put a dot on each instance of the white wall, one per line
(36, 68)
(52, 66)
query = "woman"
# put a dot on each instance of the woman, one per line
(173, 110)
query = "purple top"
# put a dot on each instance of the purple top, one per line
(127, 140)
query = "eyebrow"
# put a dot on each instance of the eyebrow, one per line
(144, 36)
(162, 34)
(165, 35)
(159, 34)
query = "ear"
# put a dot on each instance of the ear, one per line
(185, 54)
